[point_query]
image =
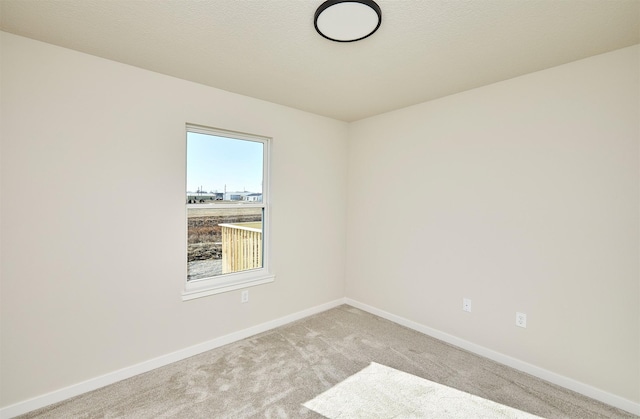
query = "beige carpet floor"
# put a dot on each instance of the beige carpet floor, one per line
(273, 374)
(380, 392)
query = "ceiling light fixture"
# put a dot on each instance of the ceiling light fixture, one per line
(347, 20)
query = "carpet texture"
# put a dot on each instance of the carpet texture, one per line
(271, 375)
(380, 392)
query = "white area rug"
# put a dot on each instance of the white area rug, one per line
(382, 392)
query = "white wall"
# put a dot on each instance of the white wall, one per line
(523, 196)
(92, 274)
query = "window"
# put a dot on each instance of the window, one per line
(227, 199)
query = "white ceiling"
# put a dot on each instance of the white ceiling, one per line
(268, 49)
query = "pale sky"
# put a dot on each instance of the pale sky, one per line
(214, 161)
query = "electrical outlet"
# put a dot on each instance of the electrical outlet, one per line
(521, 320)
(466, 305)
(244, 296)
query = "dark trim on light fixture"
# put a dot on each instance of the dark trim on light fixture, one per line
(329, 3)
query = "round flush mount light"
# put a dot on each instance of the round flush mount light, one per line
(347, 20)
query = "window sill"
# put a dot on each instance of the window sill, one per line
(204, 288)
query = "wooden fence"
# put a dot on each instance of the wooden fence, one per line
(241, 246)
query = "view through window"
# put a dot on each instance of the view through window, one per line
(226, 203)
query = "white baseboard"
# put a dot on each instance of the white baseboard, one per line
(128, 372)
(571, 384)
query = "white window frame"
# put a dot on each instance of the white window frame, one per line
(237, 280)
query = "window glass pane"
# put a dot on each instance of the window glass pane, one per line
(223, 240)
(223, 171)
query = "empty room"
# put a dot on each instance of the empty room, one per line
(297, 208)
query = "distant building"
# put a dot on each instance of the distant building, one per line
(238, 196)
(203, 198)
(254, 197)
(206, 198)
